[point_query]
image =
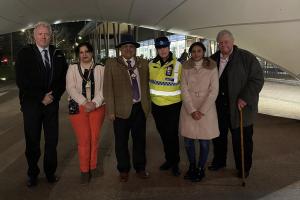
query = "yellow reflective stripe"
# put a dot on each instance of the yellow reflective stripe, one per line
(163, 93)
(176, 71)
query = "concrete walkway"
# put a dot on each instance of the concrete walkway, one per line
(275, 173)
(281, 100)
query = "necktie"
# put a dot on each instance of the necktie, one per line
(134, 83)
(47, 65)
(46, 59)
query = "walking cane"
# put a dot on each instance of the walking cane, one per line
(242, 147)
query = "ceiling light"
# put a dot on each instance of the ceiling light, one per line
(57, 22)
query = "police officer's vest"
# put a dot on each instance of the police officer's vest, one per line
(165, 82)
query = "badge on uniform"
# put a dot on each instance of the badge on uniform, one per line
(133, 75)
(169, 79)
(169, 70)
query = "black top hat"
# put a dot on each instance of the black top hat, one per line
(127, 39)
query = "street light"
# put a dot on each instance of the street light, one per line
(77, 39)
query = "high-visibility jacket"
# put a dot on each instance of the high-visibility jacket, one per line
(164, 82)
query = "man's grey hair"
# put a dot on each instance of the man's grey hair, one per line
(43, 24)
(224, 32)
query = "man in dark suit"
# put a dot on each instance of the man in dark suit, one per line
(126, 93)
(40, 76)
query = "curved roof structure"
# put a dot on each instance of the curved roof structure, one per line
(268, 28)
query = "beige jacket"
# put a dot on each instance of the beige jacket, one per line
(199, 89)
(74, 85)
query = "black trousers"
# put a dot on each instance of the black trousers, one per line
(167, 121)
(220, 143)
(36, 116)
(136, 125)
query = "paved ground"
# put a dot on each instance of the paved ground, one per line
(275, 175)
(280, 100)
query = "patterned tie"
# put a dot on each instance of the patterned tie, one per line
(47, 65)
(134, 83)
(46, 60)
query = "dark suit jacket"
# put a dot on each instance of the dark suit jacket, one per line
(117, 88)
(31, 74)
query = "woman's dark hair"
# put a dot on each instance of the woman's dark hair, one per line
(197, 44)
(84, 44)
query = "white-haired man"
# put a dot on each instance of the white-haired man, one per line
(240, 81)
(40, 76)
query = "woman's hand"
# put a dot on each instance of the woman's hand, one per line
(89, 106)
(197, 115)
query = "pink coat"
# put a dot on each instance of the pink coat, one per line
(199, 89)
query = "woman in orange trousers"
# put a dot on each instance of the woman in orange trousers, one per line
(86, 107)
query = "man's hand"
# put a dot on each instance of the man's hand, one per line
(241, 104)
(112, 117)
(48, 98)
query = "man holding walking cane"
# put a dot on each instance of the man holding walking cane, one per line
(240, 81)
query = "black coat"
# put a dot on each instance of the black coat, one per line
(245, 81)
(31, 75)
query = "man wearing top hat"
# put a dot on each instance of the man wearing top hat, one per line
(126, 93)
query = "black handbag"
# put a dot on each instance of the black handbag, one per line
(73, 107)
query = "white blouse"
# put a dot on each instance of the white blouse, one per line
(74, 85)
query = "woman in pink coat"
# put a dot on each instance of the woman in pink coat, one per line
(198, 117)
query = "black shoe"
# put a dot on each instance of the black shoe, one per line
(165, 166)
(175, 170)
(191, 173)
(200, 174)
(240, 175)
(216, 167)
(85, 178)
(124, 176)
(31, 182)
(52, 179)
(94, 173)
(143, 174)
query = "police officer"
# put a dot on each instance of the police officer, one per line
(164, 82)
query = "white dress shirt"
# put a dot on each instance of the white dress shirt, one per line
(223, 62)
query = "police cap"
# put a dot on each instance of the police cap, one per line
(162, 42)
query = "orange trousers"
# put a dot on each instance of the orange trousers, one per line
(87, 129)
